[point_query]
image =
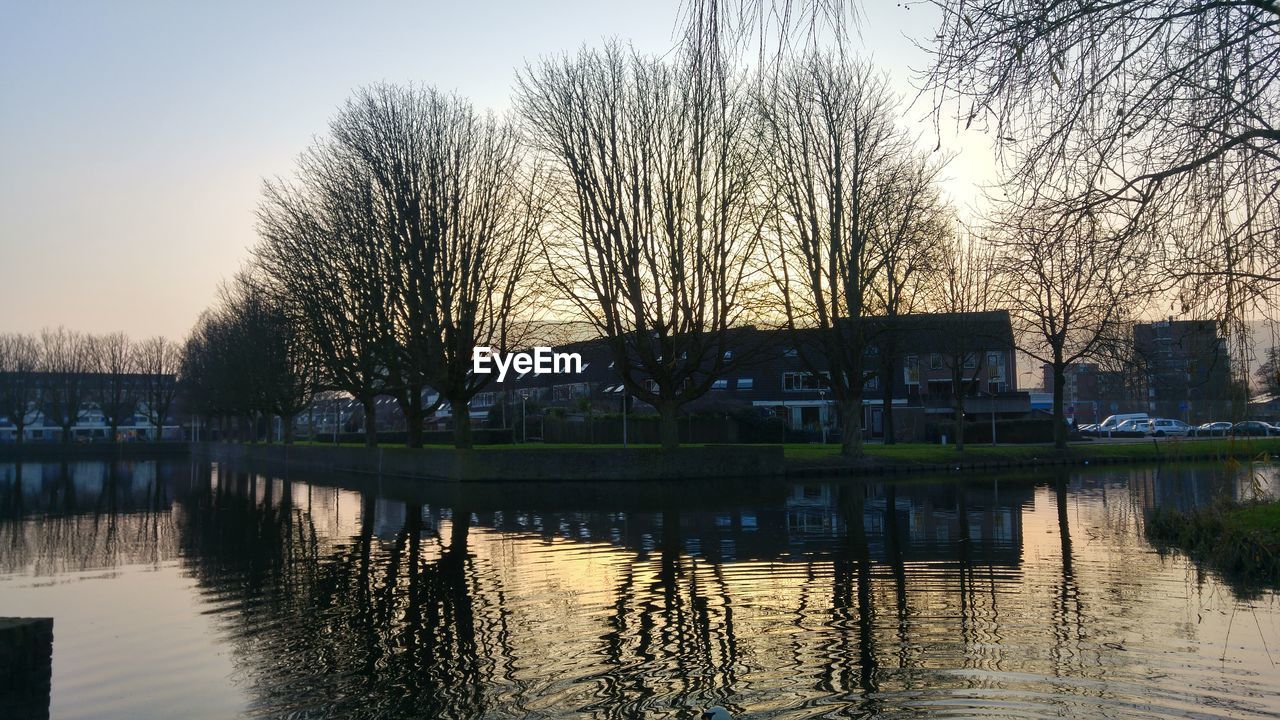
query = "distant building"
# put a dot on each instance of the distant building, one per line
(1186, 367)
(1092, 393)
(775, 379)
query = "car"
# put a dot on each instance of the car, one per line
(1113, 422)
(1254, 428)
(1211, 429)
(1129, 428)
(1168, 427)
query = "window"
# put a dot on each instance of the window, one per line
(873, 383)
(746, 383)
(995, 366)
(935, 361)
(790, 352)
(728, 355)
(798, 381)
(911, 370)
(970, 361)
(720, 385)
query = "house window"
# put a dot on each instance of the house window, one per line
(560, 393)
(720, 385)
(911, 370)
(935, 361)
(728, 355)
(798, 381)
(873, 383)
(746, 383)
(790, 352)
(970, 361)
(995, 366)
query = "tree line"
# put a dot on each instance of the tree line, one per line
(59, 374)
(665, 201)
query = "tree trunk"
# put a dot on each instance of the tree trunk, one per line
(286, 422)
(115, 429)
(461, 426)
(668, 425)
(411, 406)
(1059, 411)
(851, 419)
(958, 428)
(886, 386)
(370, 421)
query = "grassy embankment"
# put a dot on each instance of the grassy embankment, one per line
(1239, 540)
(1164, 449)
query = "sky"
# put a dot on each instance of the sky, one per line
(135, 136)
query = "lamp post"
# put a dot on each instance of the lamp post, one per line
(822, 398)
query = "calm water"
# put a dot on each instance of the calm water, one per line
(182, 589)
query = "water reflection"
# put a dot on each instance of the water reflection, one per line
(981, 597)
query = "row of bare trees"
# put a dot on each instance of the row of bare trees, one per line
(62, 374)
(664, 202)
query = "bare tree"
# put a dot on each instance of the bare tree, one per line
(965, 292)
(64, 362)
(115, 386)
(833, 156)
(651, 229)
(323, 250)
(1067, 281)
(1268, 373)
(158, 361)
(910, 239)
(1168, 107)
(19, 363)
(459, 237)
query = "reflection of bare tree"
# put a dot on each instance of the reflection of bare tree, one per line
(70, 517)
(851, 577)
(349, 627)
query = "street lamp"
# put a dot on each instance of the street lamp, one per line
(822, 398)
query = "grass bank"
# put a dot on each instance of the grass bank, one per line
(816, 459)
(1241, 541)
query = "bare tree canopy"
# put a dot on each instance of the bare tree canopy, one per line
(650, 234)
(1164, 107)
(1067, 281)
(19, 363)
(966, 283)
(403, 244)
(322, 250)
(158, 361)
(723, 26)
(854, 214)
(458, 234)
(114, 364)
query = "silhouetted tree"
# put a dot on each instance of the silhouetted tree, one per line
(157, 363)
(114, 364)
(19, 363)
(458, 237)
(1169, 107)
(64, 360)
(650, 194)
(838, 168)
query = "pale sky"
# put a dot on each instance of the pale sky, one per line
(134, 136)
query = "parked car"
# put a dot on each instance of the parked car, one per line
(1211, 429)
(1130, 427)
(1162, 427)
(1254, 428)
(1113, 422)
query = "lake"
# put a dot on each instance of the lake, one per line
(191, 589)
